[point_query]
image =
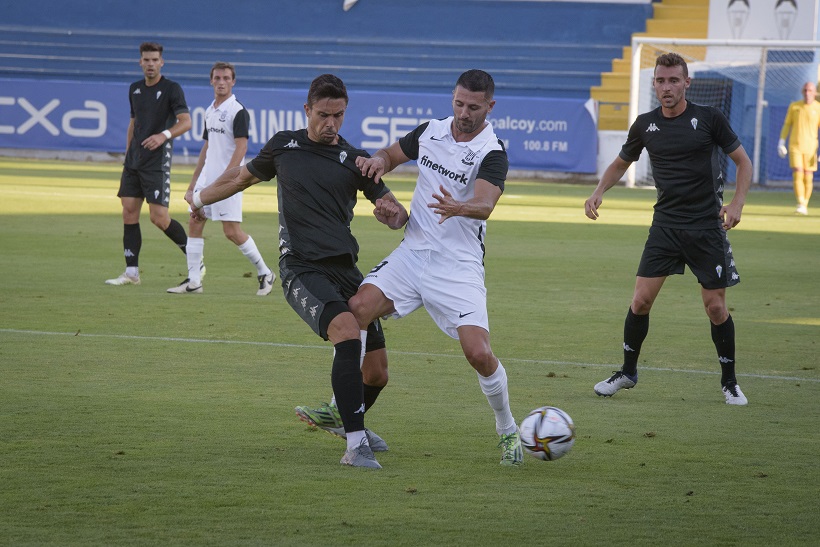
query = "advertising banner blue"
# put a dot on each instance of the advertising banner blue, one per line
(539, 134)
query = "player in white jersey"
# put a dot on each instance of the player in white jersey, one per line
(439, 264)
(225, 146)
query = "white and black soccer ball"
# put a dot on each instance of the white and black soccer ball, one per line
(547, 433)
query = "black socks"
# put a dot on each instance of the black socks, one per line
(724, 338)
(131, 243)
(636, 327)
(346, 379)
(176, 233)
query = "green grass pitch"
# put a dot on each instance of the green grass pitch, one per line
(129, 416)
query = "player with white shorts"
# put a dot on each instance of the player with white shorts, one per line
(412, 279)
(440, 262)
(225, 137)
(227, 210)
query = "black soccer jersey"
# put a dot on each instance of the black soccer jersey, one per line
(683, 152)
(317, 185)
(154, 110)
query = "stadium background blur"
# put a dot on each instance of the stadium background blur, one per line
(536, 51)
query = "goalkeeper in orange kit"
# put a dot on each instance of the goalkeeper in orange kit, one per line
(800, 126)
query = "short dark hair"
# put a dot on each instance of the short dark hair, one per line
(220, 65)
(672, 60)
(477, 81)
(150, 46)
(326, 86)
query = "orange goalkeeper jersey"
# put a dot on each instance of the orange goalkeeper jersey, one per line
(801, 125)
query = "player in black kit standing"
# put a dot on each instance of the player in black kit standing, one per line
(317, 185)
(690, 221)
(158, 114)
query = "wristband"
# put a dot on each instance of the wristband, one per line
(198, 201)
(167, 134)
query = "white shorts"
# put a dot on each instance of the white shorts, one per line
(229, 209)
(451, 291)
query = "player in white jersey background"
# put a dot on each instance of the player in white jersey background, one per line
(225, 146)
(439, 264)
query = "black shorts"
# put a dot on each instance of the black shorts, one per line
(153, 185)
(318, 290)
(707, 253)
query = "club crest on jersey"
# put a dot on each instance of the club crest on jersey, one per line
(694, 122)
(342, 156)
(223, 116)
(652, 127)
(469, 159)
(158, 94)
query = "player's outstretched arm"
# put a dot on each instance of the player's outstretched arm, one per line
(730, 214)
(382, 162)
(390, 211)
(232, 181)
(609, 179)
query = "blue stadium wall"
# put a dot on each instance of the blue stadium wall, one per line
(457, 20)
(544, 56)
(548, 49)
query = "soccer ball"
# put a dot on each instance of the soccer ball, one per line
(547, 433)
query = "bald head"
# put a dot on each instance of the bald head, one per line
(809, 92)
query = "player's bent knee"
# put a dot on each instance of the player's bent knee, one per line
(641, 306)
(375, 376)
(482, 360)
(717, 312)
(362, 310)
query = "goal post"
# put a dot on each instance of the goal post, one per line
(741, 77)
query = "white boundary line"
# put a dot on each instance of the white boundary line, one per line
(422, 354)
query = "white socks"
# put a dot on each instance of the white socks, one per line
(196, 248)
(363, 336)
(495, 388)
(250, 250)
(194, 251)
(355, 438)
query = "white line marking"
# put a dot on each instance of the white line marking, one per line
(420, 354)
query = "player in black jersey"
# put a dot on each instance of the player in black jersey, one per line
(317, 185)
(158, 114)
(690, 221)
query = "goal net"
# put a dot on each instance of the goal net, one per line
(751, 81)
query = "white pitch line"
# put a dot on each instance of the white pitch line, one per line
(398, 352)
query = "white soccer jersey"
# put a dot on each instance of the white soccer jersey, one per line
(454, 165)
(223, 124)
